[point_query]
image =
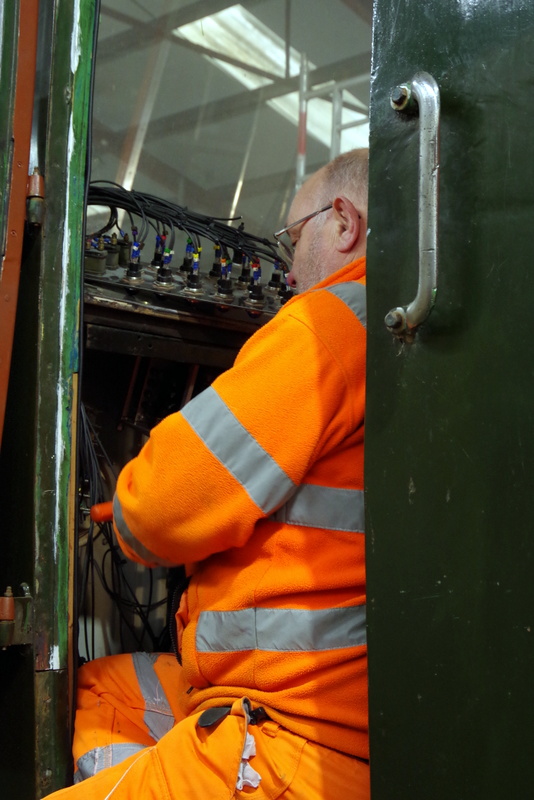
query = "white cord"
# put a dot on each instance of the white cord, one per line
(144, 753)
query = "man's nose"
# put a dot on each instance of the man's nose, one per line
(290, 280)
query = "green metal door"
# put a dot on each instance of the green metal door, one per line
(450, 422)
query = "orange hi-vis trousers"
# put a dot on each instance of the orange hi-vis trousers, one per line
(132, 743)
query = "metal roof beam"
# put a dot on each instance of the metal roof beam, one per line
(242, 103)
(144, 34)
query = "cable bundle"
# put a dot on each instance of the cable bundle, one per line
(108, 567)
(153, 212)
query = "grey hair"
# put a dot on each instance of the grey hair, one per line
(348, 174)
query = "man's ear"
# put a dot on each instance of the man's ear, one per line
(348, 224)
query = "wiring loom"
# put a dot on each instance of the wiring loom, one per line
(108, 569)
(153, 212)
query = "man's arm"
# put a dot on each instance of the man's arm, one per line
(237, 451)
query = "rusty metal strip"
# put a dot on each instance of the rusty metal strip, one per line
(22, 122)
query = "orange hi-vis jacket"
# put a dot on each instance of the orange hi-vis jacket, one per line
(257, 486)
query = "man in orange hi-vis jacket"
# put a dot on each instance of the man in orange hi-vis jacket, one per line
(268, 695)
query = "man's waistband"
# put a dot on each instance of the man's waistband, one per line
(211, 716)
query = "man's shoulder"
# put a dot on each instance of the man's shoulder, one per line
(347, 286)
(353, 295)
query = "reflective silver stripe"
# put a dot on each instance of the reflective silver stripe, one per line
(102, 757)
(222, 433)
(280, 630)
(353, 295)
(324, 507)
(158, 717)
(132, 542)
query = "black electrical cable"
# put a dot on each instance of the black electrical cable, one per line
(80, 455)
(112, 561)
(154, 211)
(91, 485)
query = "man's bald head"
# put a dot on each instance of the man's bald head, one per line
(336, 236)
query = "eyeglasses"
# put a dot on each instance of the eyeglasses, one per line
(289, 249)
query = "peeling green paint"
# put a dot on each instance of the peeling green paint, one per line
(59, 302)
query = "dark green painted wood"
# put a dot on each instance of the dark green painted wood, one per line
(450, 421)
(57, 368)
(59, 309)
(53, 734)
(37, 457)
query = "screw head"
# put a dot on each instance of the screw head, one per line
(399, 97)
(394, 319)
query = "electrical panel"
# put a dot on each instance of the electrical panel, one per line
(170, 296)
(136, 266)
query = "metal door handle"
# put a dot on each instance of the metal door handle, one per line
(422, 94)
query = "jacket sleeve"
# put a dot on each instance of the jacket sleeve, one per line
(237, 451)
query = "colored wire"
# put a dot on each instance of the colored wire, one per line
(154, 211)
